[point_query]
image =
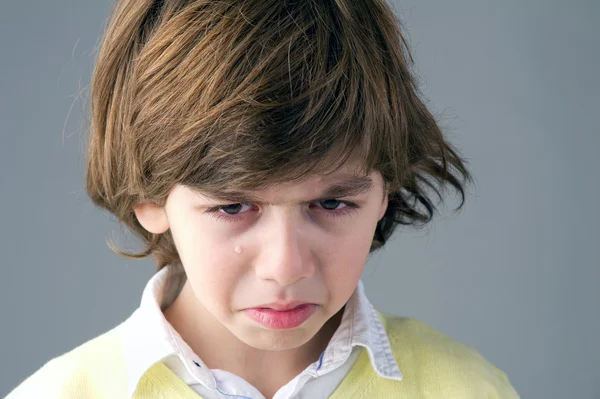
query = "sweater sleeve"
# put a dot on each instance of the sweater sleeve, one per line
(54, 380)
(93, 370)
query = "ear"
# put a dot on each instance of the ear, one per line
(152, 217)
(384, 204)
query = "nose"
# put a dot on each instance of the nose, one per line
(285, 255)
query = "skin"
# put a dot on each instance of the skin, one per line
(290, 244)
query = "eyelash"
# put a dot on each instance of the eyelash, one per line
(348, 209)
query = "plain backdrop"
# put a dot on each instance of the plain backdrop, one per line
(515, 275)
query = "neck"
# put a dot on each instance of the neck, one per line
(220, 349)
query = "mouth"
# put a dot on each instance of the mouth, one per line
(283, 307)
(285, 317)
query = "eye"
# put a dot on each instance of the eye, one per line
(331, 204)
(334, 208)
(233, 212)
(229, 212)
(232, 209)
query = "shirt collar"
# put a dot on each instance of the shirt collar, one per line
(360, 326)
(149, 338)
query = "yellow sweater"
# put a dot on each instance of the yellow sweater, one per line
(433, 366)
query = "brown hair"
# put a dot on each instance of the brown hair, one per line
(229, 94)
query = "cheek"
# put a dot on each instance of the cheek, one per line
(345, 260)
(350, 254)
(210, 262)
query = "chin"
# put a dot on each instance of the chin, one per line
(276, 340)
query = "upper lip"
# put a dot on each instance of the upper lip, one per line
(280, 306)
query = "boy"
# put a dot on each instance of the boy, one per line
(261, 150)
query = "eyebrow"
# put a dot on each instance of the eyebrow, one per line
(345, 187)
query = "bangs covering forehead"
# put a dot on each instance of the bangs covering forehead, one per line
(241, 95)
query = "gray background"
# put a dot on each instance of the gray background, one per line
(515, 275)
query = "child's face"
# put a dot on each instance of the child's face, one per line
(293, 244)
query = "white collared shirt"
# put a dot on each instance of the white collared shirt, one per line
(149, 338)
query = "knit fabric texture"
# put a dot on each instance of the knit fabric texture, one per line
(433, 366)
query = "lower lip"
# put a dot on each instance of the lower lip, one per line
(281, 319)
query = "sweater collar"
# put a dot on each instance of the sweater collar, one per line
(149, 338)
